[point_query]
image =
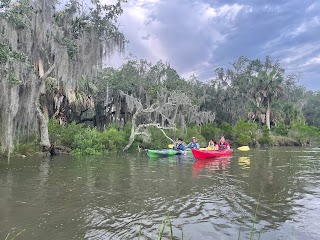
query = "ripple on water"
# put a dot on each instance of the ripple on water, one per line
(106, 198)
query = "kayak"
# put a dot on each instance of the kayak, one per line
(203, 154)
(162, 152)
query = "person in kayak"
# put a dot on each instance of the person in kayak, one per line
(222, 145)
(212, 145)
(193, 143)
(179, 145)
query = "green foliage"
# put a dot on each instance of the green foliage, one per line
(72, 47)
(16, 12)
(87, 141)
(244, 132)
(306, 135)
(208, 131)
(28, 148)
(243, 139)
(311, 109)
(6, 53)
(194, 131)
(266, 138)
(281, 129)
(226, 129)
(157, 140)
(114, 140)
(284, 141)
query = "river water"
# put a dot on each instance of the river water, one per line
(127, 195)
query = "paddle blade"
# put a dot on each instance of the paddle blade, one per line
(170, 145)
(244, 148)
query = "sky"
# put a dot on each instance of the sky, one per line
(196, 37)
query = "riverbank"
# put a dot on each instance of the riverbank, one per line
(79, 139)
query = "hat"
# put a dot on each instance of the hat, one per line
(193, 137)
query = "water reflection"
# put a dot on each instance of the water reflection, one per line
(111, 197)
(211, 165)
(244, 162)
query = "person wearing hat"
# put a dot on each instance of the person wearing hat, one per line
(193, 143)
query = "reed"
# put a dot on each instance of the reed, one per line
(14, 237)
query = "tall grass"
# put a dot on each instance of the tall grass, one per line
(163, 226)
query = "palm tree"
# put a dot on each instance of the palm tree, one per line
(268, 83)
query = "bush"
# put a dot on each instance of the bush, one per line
(266, 139)
(113, 140)
(243, 139)
(208, 131)
(244, 132)
(88, 141)
(195, 132)
(281, 129)
(306, 135)
(226, 129)
(28, 149)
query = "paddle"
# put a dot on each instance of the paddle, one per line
(170, 145)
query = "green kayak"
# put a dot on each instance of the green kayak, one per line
(162, 152)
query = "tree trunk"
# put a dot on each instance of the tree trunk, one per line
(133, 132)
(43, 126)
(268, 116)
(42, 106)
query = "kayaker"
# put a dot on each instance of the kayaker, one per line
(179, 145)
(193, 143)
(222, 145)
(212, 145)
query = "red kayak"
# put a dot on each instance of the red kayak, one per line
(203, 154)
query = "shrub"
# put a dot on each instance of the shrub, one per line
(304, 134)
(265, 139)
(243, 139)
(88, 141)
(208, 131)
(226, 129)
(281, 129)
(244, 132)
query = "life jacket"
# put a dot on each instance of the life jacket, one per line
(178, 147)
(222, 146)
(193, 145)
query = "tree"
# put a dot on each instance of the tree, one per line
(311, 109)
(63, 45)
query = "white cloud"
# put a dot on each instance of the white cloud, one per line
(298, 53)
(313, 7)
(227, 12)
(313, 61)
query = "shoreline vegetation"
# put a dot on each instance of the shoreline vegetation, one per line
(79, 139)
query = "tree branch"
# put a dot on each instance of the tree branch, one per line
(47, 73)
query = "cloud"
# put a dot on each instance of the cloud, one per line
(198, 36)
(313, 61)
